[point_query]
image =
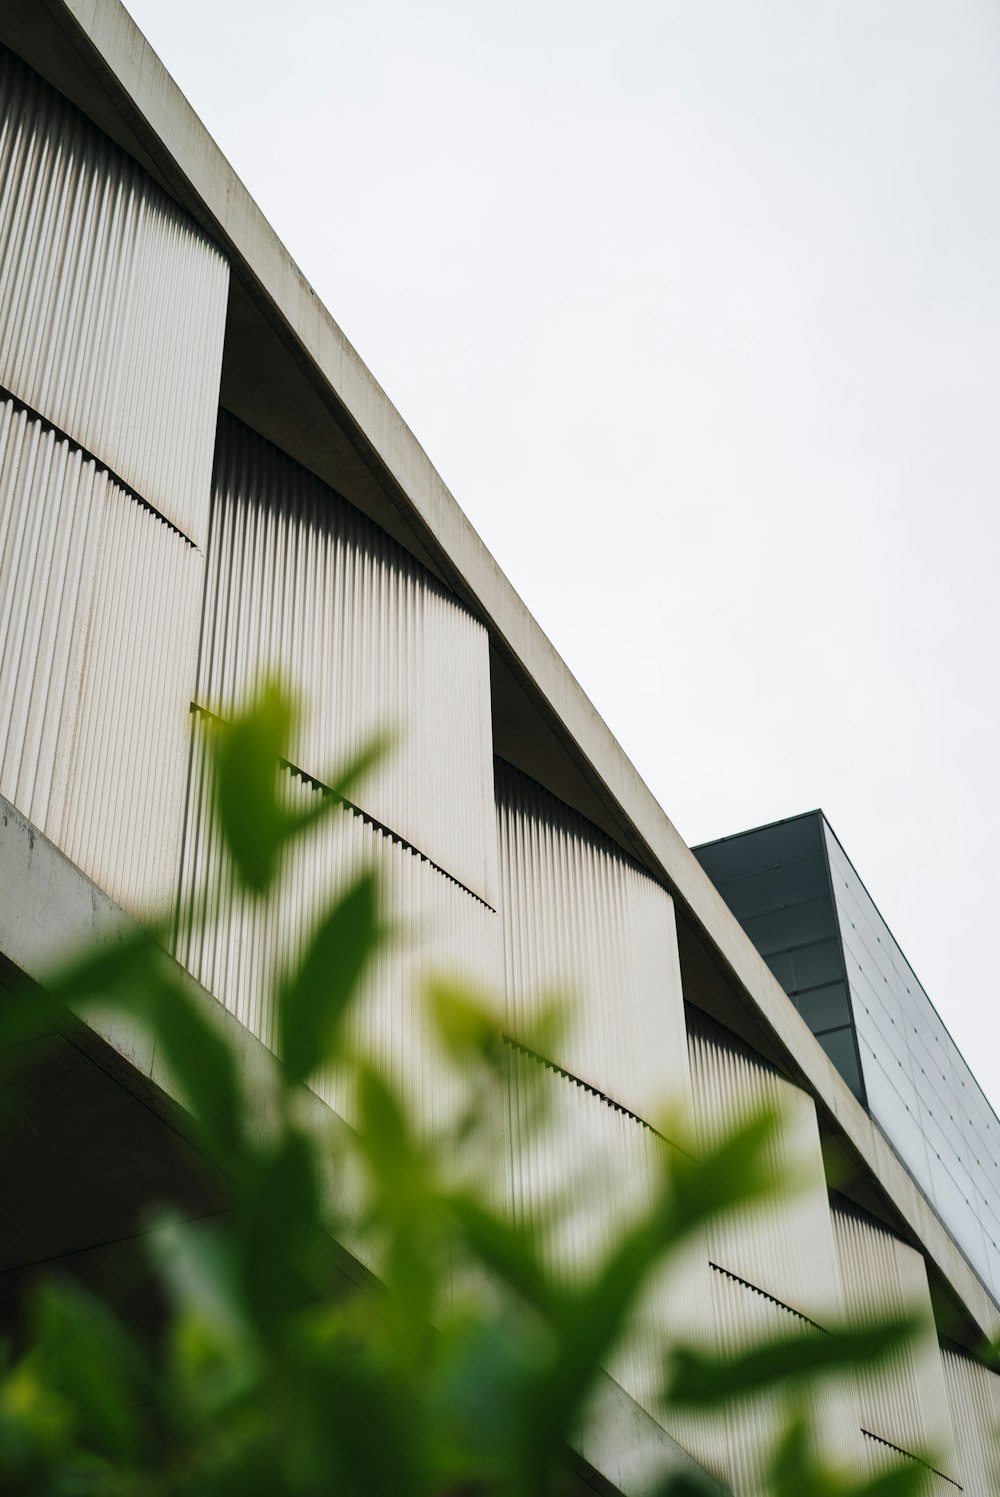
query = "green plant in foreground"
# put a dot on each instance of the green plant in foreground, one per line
(275, 1372)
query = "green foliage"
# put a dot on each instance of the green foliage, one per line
(464, 1367)
(314, 1000)
(698, 1379)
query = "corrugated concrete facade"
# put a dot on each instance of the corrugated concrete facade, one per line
(974, 1402)
(140, 597)
(112, 317)
(904, 1403)
(786, 1249)
(99, 603)
(580, 919)
(303, 586)
(443, 931)
(112, 302)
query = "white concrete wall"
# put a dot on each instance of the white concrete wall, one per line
(112, 313)
(580, 920)
(300, 583)
(904, 1403)
(974, 1404)
(440, 930)
(786, 1247)
(98, 632)
(112, 302)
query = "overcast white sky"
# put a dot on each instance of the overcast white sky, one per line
(695, 305)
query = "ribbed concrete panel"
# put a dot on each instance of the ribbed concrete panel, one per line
(881, 1459)
(786, 1248)
(112, 302)
(904, 1403)
(302, 584)
(98, 633)
(589, 1171)
(52, 504)
(441, 930)
(974, 1400)
(580, 921)
(739, 1448)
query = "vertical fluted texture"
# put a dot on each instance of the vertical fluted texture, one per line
(302, 584)
(112, 302)
(98, 633)
(786, 1247)
(580, 921)
(974, 1401)
(586, 1171)
(741, 1446)
(439, 929)
(904, 1402)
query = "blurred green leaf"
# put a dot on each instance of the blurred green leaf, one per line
(284, 1251)
(909, 1479)
(120, 973)
(734, 1172)
(467, 1028)
(476, 1394)
(248, 752)
(700, 1379)
(589, 1325)
(795, 1470)
(215, 1355)
(251, 790)
(204, 1068)
(119, 967)
(689, 1484)
(505, 1248)
(346, 777)
(388, 1145)
(89, 1358)
(314, 999)
(362, 1436)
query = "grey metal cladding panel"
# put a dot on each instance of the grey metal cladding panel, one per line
(112, 302)
(904, 1400)
(788, 1250)
(580, 922)
(773, 888)
(974, 1399)
(441, 929)
(98, 636)
(764, 847)
(300, 583)
(932, 1109)
(794, 925)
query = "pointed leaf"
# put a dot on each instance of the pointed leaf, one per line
(248, 752)
(204, 1066)
(89, 1357)
(284, 1250)
(346, 777)
(701, 1379)
(315, 998)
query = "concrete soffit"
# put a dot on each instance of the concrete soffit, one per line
(291, 373)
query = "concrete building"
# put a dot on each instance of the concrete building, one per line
(200, 479)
